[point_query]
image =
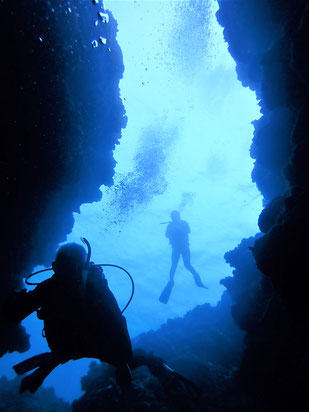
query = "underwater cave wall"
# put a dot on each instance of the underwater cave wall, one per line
(61, 118)
(269, 40)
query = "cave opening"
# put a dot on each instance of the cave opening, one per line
(186, 146)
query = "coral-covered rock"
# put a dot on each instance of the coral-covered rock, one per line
(44, 400)
(275, 359)
(154, 387)
(61, 118)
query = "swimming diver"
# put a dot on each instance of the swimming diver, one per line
(81, 318)
(177, 232)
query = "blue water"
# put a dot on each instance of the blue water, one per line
(186, 147)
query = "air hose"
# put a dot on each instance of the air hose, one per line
(35, 273)
(101, 264)
(132, 281)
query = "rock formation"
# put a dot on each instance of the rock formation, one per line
(268, 42)
(61, 118)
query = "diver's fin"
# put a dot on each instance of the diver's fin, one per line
(198, 281)
(33, 381)
(32, 363)
(165, 295)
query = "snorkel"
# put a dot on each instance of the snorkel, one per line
(85, 269)
(84, 240)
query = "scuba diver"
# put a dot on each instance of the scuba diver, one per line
(81, 318)
(177, 232)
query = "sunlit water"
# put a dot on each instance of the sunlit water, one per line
(189, 119)
(186, 147)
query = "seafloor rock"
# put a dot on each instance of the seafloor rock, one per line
(205, 342)
(44, 400)
(206, 347)
(154, 388)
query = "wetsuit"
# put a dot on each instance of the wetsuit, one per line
(178, 235)
(79, 321)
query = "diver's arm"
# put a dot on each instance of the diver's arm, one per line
(21, 304)
(168, 230)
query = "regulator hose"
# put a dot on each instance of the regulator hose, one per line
(35, 273)
(132, 281)
(101, 264)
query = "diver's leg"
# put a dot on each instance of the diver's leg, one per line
(32, 363)
(186, 257)
(123, 376)
(165, 295)
(175, 259)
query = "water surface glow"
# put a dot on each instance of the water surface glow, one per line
(186, 147)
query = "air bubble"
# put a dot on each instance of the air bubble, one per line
(104, 17)
(95, 1)
(102, 40)
(94, 44)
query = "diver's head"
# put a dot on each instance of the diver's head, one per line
(175, 216)
(71, 260)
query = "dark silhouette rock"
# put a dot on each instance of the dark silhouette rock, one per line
(274, 363)
(154, 387)
(44, 400)
(61, 118)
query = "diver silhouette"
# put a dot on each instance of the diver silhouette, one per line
(177, 232)
(81, 318)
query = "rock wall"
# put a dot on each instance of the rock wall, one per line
(61, 118)
(268, 41)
